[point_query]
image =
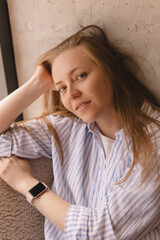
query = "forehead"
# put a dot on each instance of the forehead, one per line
(70, 59)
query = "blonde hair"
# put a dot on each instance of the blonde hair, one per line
(129, 94)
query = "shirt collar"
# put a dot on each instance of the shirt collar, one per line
(92, 127)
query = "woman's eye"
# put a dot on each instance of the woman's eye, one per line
(81, 76)
(62, 89)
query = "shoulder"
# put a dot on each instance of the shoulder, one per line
(57, 119)
(65, 122)
(151, 111)
(68, 129)
(42, 124)
(153, 125)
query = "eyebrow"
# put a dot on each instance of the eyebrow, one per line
(70, 73)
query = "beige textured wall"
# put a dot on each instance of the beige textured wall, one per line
(38, 25)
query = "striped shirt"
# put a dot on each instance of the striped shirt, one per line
(99, 208)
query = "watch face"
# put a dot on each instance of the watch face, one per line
(40, 187)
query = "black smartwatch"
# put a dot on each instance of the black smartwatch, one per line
(36, 191)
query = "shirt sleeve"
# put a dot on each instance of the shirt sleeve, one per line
(126, 213)
(31, 139)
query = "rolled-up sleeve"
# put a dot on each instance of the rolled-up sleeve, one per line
(126, 213)
(30, 140)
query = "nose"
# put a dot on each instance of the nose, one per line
(73, 92)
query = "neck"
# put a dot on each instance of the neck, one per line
(109, 124)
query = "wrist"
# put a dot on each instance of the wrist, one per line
(37, 84)
(42, 81)
(36, 191)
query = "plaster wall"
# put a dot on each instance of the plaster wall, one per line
(38, 25)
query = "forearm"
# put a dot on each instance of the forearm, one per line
(17, 174)
(50, 205)
(15, 103)
(53, 208)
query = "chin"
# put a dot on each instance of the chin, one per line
(87, 120)
(88, 117)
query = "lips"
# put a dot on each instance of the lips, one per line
(80, 105)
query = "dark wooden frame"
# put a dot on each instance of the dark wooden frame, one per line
(7, 49)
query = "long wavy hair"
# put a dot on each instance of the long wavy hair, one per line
(124, 77)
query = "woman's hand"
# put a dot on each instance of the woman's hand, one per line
(17, 174)
(44, 77)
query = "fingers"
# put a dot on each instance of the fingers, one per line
(5, 164)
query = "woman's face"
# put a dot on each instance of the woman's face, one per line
(81, 84)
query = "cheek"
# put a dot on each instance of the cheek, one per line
(66, 103)
(98, 88)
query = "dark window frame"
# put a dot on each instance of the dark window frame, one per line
(7, 50)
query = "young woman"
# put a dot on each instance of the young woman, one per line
(101, 127)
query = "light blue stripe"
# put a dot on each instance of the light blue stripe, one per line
(84, 182)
